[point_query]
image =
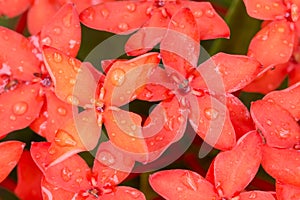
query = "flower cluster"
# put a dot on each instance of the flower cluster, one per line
(91, 140)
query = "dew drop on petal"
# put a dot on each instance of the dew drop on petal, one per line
(209, 13)
(252, 195)
(57, 57)
(189, 182)
(12, 117)
(118, 77)
(284, 133)
(20, 108)
(67, 20)
(57, 30)
(134, 194)
(46, 41)
(269, 122)
(123, 26)
(72, 100)
(211, 113)
(62, 111)
(106, 158)
(12, 163)
(179, 189)
(66, 174)
(198, 13)
(72, 81)
(104, 13)
(131, 7)
(51, 151)
(64, 139)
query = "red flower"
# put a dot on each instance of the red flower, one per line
(73, 179)
(11, 152)
(26, 84)
(229, 174)
(196, 93)
(153, 16)
(80, 84)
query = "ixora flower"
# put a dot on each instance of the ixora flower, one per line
(196, 93)
(73, 178)
(281, 151)
(11, 152)
(100, 96)
(26, 87)
(151, 19)
(229, 174)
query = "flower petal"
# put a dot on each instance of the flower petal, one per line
(126, 79)
(273, 44)
(52, 192)
(19, 108)
(148, 36)
(79, 134)
(285, 191)
(29, 178)
(269, 80)
(283, 131)
(112, 165)
(63, 30)
(257, 195)
(235, 169)
(74, 81)
(16, 55)
(70, 174)
(181, 184)
(210, 119)
(124, 192)
(164, 126)
(210, 24)
(13, 8)
(42, 10)
(117, 17)
(124, 131)
(287, 99)
(266, 10)
(11, 152)
(223, 66)
(57, 112)
(294, 75)
(183, 54)
(282, 164)
(239, 116)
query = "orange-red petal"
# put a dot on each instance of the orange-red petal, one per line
(282, 164)
(11, 152)
(210, 119)
(126, 79)
(181, 184)
(50, 191)
(183, 54)
(235, 169)
(29, 178)
(16, 55)
(266, 10)
(124, 192)
(257, 195)
(63, 30)
(273, 44)
(116, 17)
(12, 8)
(19, 108)
(281, 132)
(285, 191)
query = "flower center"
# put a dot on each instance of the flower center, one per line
(95, 192)
(184, 87)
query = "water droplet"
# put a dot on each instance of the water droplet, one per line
(211, 113)
(252, 195)
(258, 5)
(12, 117)
(159, 138)
(20, 108)
(72, 100)
(57, 30)
(267, 7)
(79, 180)
(269, 122)
(189, 181)
(71, 61)
(62, 111)
(64, 139)
(209, 13)
(72, 81)
(51, 150)
(282, 55)
(275, 4)
(72, 44)
(46, 41)
(66, 174)
(67, 20)
(179, 189)
(284, 133)
(297, 147)
(12, 163)
(106, 158)
(117, 77)
(134, 194)
(57, 57)
(123, 26)
(104, 13)
(131, 7)
(198, 13)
